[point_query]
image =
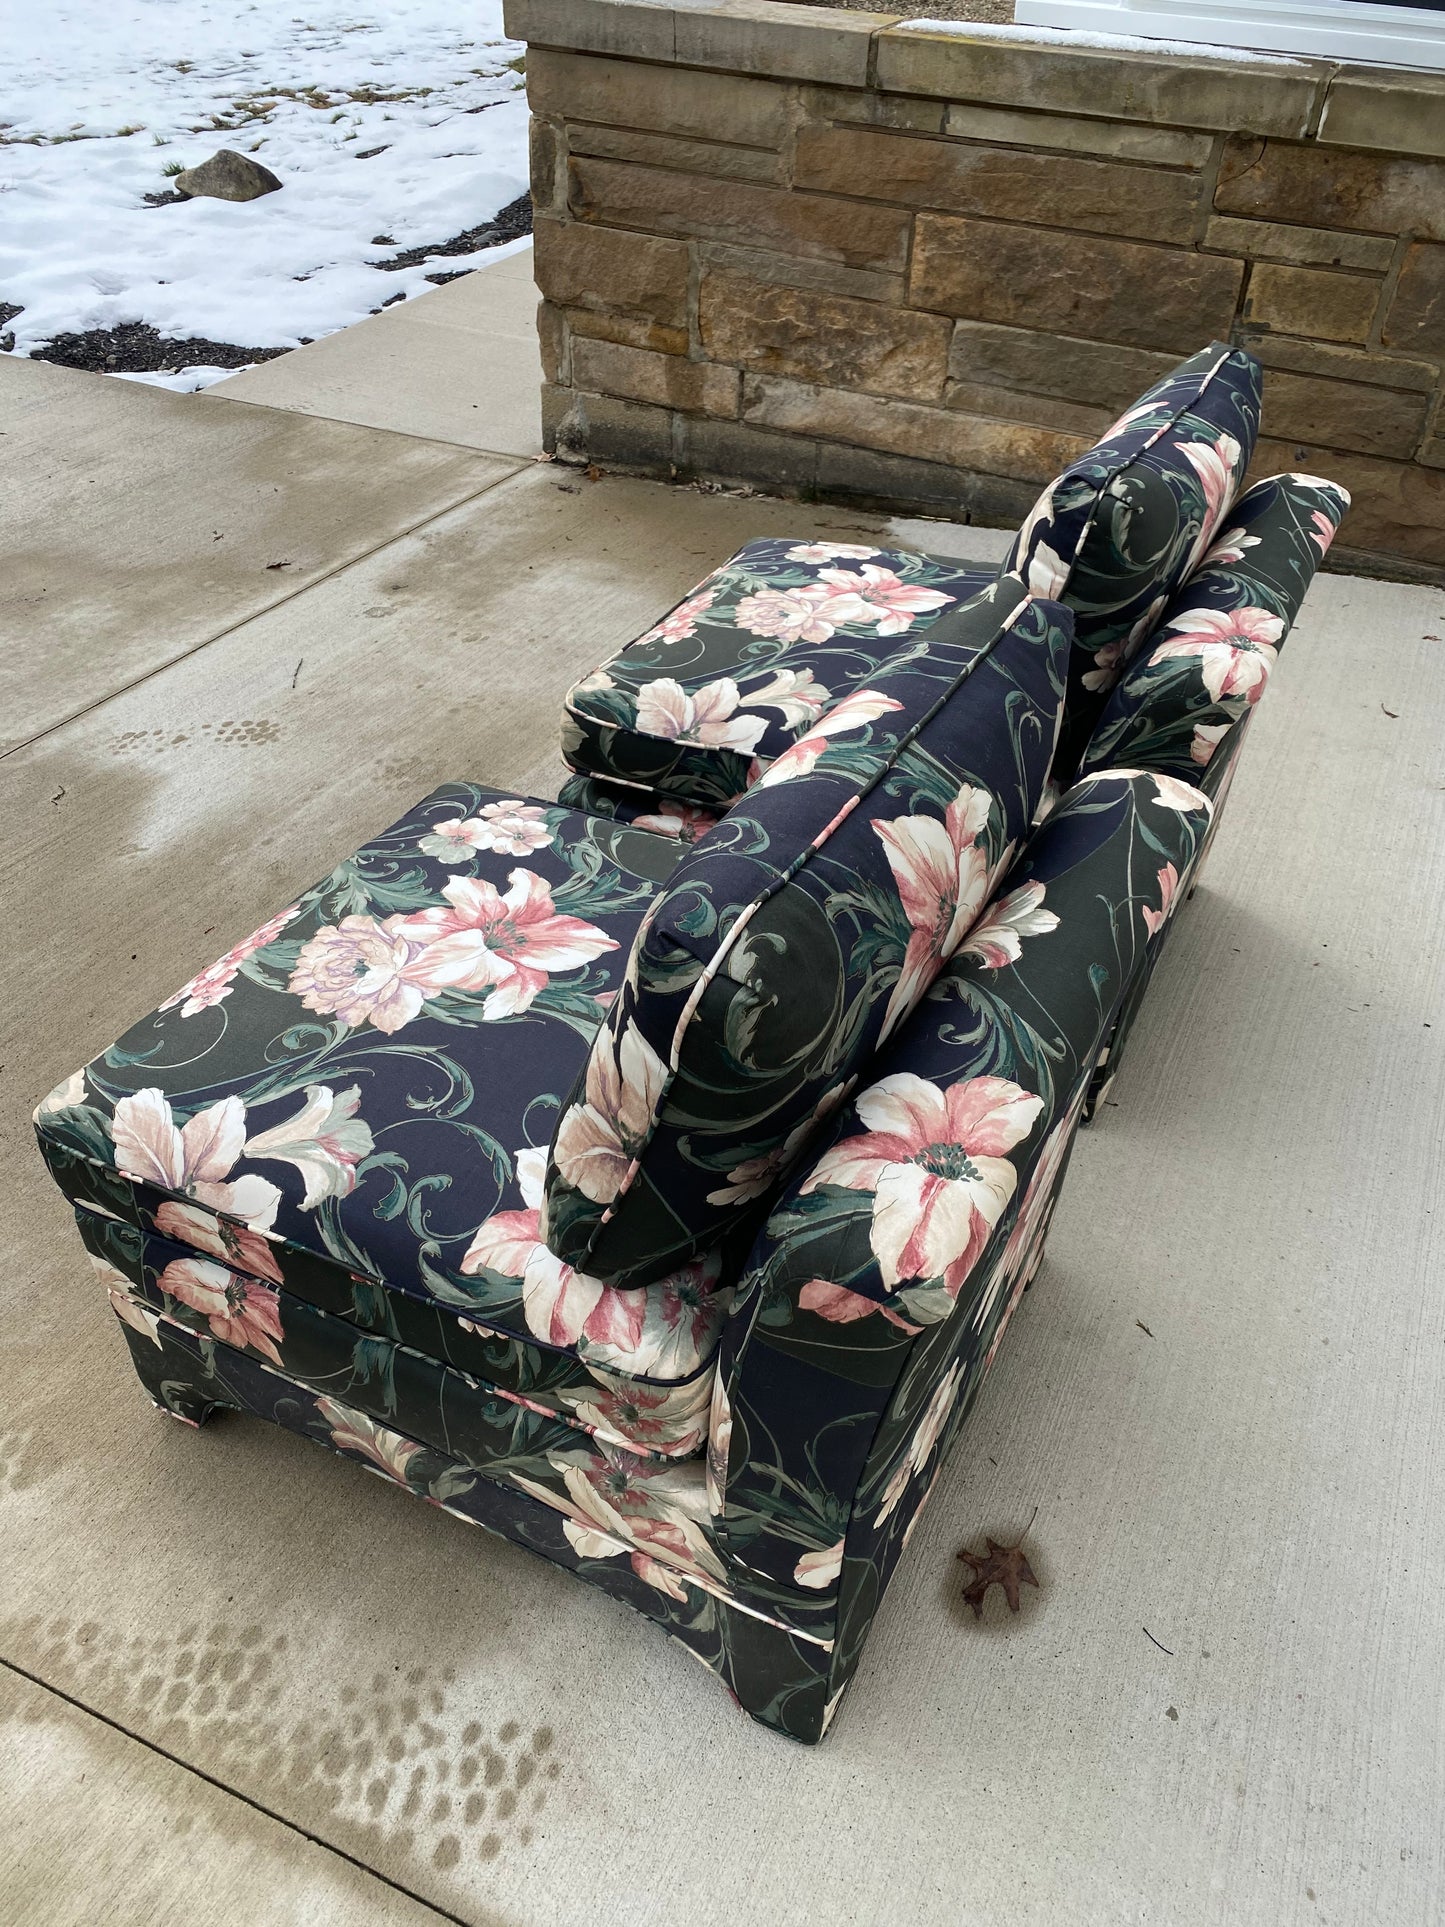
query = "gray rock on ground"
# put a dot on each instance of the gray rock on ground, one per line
(226, 176)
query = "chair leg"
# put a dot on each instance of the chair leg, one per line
(175, 1379)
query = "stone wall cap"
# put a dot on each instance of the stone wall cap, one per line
(1400, 110)
(831, 45)
(1059, 70)
(1076, 40)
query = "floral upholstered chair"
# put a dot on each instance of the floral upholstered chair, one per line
(650, 1177)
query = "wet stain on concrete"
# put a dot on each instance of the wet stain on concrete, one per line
(392, 1769)
(20, 1459)
(243, 734)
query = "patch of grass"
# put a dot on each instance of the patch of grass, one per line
(174, 167)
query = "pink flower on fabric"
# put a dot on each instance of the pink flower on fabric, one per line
(598, 1139)
(707, 715)
(1217, 464)
(669, 1419)
(232, 1244)
(796, 692)
(664, 1332)
(792, 615)
(1237, 648)
(619, 1503)
(681, 820)
(997, 938)
(1155, 920)
(1020, 1257)
(682, 1318)
(209, 986)
(934, 1161)
(818, 1570)
(830, 552)
(942, 874)
(755, 1177)
(1229, 548)
(384, 1449)
(325, 1140)
(862, 707)
(131, 1312)
(681, 622)
(195, 1159)
(1169, 792)
(237, 1310)
(926, 1436)
(511, 829)
(1108, 661)
(888, 602)
(1205, 740)
(357, 970)
(561, 1305)
(507, 945)
(839, 1306)
(1324, 529)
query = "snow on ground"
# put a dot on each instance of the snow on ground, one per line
(98, 96)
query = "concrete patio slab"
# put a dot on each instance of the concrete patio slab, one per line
(458, 365)
(509, 1745)
(113, 1830)
(139, 524)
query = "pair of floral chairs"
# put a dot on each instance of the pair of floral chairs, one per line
(650, 1176)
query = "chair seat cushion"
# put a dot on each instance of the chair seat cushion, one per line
(663, 815)
(353, 1106)
(699, 704)
(396, 1411)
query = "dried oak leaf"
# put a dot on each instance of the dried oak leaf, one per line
(1005, 1566)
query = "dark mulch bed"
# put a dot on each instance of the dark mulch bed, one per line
(135, 348)
(508, 224)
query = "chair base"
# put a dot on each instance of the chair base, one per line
(785, 1681)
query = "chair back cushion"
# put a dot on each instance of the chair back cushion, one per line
(1200, 673)
(797, 933)
(698, 705)
(1123, 526)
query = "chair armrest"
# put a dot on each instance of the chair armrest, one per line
(1180, 706)
(874, 1300)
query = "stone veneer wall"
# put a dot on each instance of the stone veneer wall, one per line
(826, 255)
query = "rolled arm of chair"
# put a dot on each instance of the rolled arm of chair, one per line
(875, 1298)
(1181, 705)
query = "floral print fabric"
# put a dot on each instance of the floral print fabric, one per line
(798, 933)
(874, 1300)
(1123, 526)
(1208, 662)
(635, 1531)
(663, 815)
(696, 707)
(397, 1361)
(354, 1105)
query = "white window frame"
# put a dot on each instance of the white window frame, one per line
(1382, 35)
